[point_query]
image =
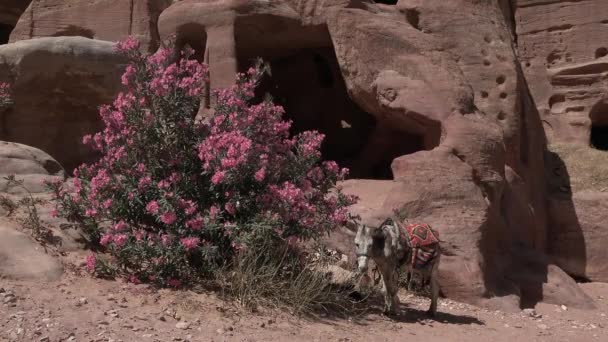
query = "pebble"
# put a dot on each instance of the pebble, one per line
(182, 325)
(44, 339)
(565, 308)
(220, 331)
(542, 326)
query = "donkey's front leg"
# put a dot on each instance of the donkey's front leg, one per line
(389, 288)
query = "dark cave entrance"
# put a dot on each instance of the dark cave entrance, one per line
(5, 32)
(306, 80)
(598, 137)
(386, 2)
(193, 36)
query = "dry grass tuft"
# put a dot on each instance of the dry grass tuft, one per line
(277, 277)
(587, 167)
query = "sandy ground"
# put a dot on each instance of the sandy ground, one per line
(79, 308)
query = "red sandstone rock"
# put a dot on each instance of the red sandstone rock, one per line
(105, 20)
(425, 101)
(563, 48)
(57, 86)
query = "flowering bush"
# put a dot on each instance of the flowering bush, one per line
(5, 98)
(172, 198)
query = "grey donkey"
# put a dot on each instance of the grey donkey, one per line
(392, 249)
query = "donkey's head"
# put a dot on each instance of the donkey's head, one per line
(371, 242)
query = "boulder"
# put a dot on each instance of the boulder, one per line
(57, 86)
(110, 20)
(28, 164)
(23, 259)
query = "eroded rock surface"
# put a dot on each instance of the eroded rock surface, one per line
(57, 86)
(433, 105)
(104, 20)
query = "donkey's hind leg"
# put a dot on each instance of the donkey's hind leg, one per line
(434, 288)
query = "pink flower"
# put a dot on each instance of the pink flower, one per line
(90, 212)
(107, 203)
(190, 242)
(174, 283)
(166, 240)
(91, 262)
(230, 208)
(127, 45)
(163, 184)
(188, 206)
(119, 240)
(86, 140)
(54, 213)
(127, 75)
(218, 177)
(195, 223)
(214, 211)
(133, 279)
(144, 182)
(168, 217)
(106, 239)
(152, 207)
(260, 174)
(120, 226)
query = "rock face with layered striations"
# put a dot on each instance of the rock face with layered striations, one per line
(563, 48)
(436, 106)
(105, 20)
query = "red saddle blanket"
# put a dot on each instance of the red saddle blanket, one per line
(423, 241)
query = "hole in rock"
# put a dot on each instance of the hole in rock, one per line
(305, 79)
(599, 126)
(580, 279)
(601, 52)
(5, 32)
(195, 37)
(503, 95)
(500, 79)
(599, 137)
(386, 2)
(413, 17)
(75, 31)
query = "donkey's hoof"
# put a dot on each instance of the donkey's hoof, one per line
(389, 312)
(431, 313)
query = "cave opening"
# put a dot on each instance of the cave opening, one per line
(386, 2)
(598, 137)
(193, 36)
(305, 78)
(5, 33)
